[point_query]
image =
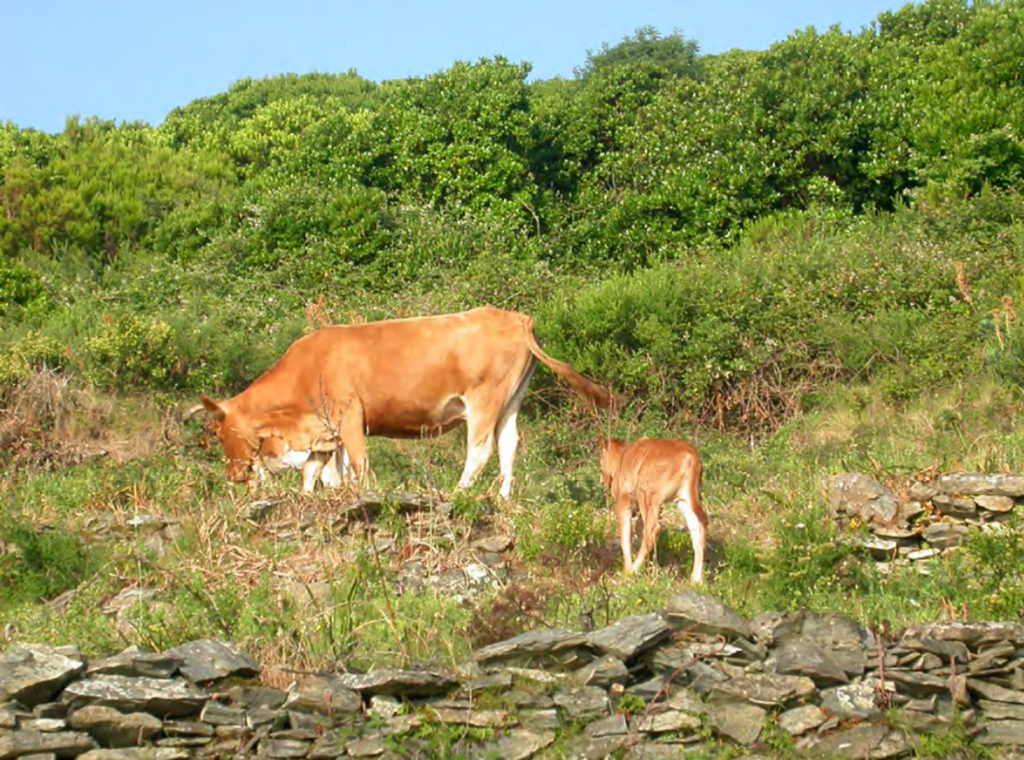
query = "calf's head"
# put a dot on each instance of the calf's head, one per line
(610, 455)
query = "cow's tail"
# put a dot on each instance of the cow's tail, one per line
(602, 396)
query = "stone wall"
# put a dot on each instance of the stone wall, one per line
(923, 518)
(649, 686)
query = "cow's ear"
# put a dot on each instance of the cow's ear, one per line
(212, 407)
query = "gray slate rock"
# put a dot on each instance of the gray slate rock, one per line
(602, 672)
(766, 688)
(800, 720)
(530, 644)
(134, 661)
(1003, 732)
(324, 695)
(147, 753)
(583, 702)
(629, 636)
(979, 483)
(862, 497)
(157, 696)
(973, 635)
(62, 743)
(739, 721)
(211, 660)
(700, 613)
(112, 728)
(855, 700)
(805, 658)
(33, 674)
(860, 742)
(404, 682)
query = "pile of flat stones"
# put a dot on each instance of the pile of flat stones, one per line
(924, 518)
(647, 686)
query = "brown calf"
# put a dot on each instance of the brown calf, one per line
(645, 474)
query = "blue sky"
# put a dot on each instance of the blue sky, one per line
(136, 60)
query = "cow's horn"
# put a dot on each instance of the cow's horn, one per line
(189, 414)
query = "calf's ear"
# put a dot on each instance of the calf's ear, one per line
(212, 407)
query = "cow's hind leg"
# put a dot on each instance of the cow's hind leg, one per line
(508, 436)
(697, 523)
(479, 446)
(649, 508)
(624, 517)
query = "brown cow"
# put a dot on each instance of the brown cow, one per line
(400, 378)
(646, 474)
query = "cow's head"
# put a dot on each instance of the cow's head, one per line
(240, 441)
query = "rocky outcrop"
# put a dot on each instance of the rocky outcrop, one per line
(646, 686)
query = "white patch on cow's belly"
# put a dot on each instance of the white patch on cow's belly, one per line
(295, 458)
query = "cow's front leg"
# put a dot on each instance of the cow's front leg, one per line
(312, 468)
(352, 431)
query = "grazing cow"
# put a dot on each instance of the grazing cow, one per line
(400, 378)
(646, 474)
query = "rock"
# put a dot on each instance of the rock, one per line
(583, 702)
(466, 715)
(862, 497)
(163, 697)
(602, 672)
(974, 635)
(800, 720)
(365, 746)
(738, 721)
(280, 749)
(955, 506)
(62, 743)
(134, 661)
(941, 535)
(695, 612)
(847, 643)
(420, 683)
(324, 695)
(211, 660)
(798, 656)
(859, 742)
(531, 644)
(147, 753)
(923, 490)
(519, 744)
(994, 692)
(33, 674)
(661, 720)
(976, 483)
(629, 636)
(1000, 710)
(766, 688)
(495, 544)
(856, 700)
(999, 504)
(112, 728)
